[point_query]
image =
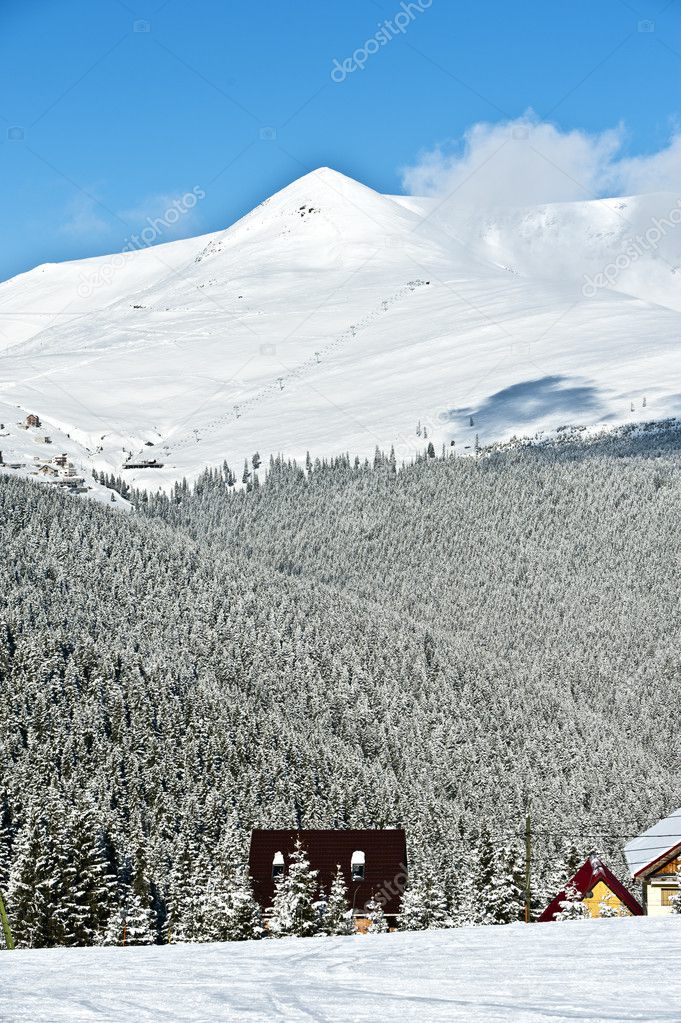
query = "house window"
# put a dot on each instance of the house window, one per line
(667, 894)
(278, 865)
(357, 866)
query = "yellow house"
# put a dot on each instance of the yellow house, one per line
(596, 887)
(654, 859)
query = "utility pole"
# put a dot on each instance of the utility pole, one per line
(528, 869)
(9, 940)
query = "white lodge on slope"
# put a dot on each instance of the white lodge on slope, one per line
(654, 859)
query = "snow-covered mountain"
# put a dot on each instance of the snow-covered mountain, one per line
(333, 318)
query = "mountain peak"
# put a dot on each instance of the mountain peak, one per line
(327, 186)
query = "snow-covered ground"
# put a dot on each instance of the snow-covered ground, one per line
(596, 971)
(333, 318)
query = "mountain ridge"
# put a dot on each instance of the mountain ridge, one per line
(334, 318)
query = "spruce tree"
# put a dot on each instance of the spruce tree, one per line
(377, 921)
(131, 921)
(34, 889)
(294, 908)
(338, 915)
(243, 922)
(606, 908)
(413, 909)
(572, 907)
(89, 886)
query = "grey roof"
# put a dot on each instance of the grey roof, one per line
(654, 843)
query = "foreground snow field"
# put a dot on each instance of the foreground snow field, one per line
(614, 970)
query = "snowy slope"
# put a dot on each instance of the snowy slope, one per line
(332, 318)
(55, 293)
(614, 970)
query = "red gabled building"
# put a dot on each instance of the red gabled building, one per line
(594, 884)
(373, 861)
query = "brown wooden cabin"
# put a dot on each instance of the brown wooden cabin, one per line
(654, 859)
(32, 420)
(373, 861)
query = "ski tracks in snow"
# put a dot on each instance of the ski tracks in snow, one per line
(297, 373)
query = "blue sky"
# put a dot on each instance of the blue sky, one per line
(109, 110)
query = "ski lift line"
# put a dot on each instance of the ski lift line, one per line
(606, 834)
(540, 833)
(349, 334)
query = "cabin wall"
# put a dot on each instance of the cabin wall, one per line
(601, 892)
(658, 895)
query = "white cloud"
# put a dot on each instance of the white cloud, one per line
(659, 172)
(528, 162)
(84, 218)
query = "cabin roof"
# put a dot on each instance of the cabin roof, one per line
(654, 846)
(385, 852)
(587, 877)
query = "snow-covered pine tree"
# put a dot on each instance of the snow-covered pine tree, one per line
(424, 903)
(6, 841)
(131, 922)
(413, 913)
(187, 884)
(377, 921)
(487, 883)
(458, 883)
(295, 905)
(606, 908)
(436, 901)
(572, 907)
(242, 919)
(210, 916)
(33, 888)
(228, 911)
(89, 885)
(338, 915)
(505, 895)
(61, 891)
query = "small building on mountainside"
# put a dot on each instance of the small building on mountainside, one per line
(373, 861)
(654, 859)
(32, 420)
(145, 463)
(598, 889)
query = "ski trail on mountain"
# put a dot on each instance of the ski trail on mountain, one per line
(297, 373)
